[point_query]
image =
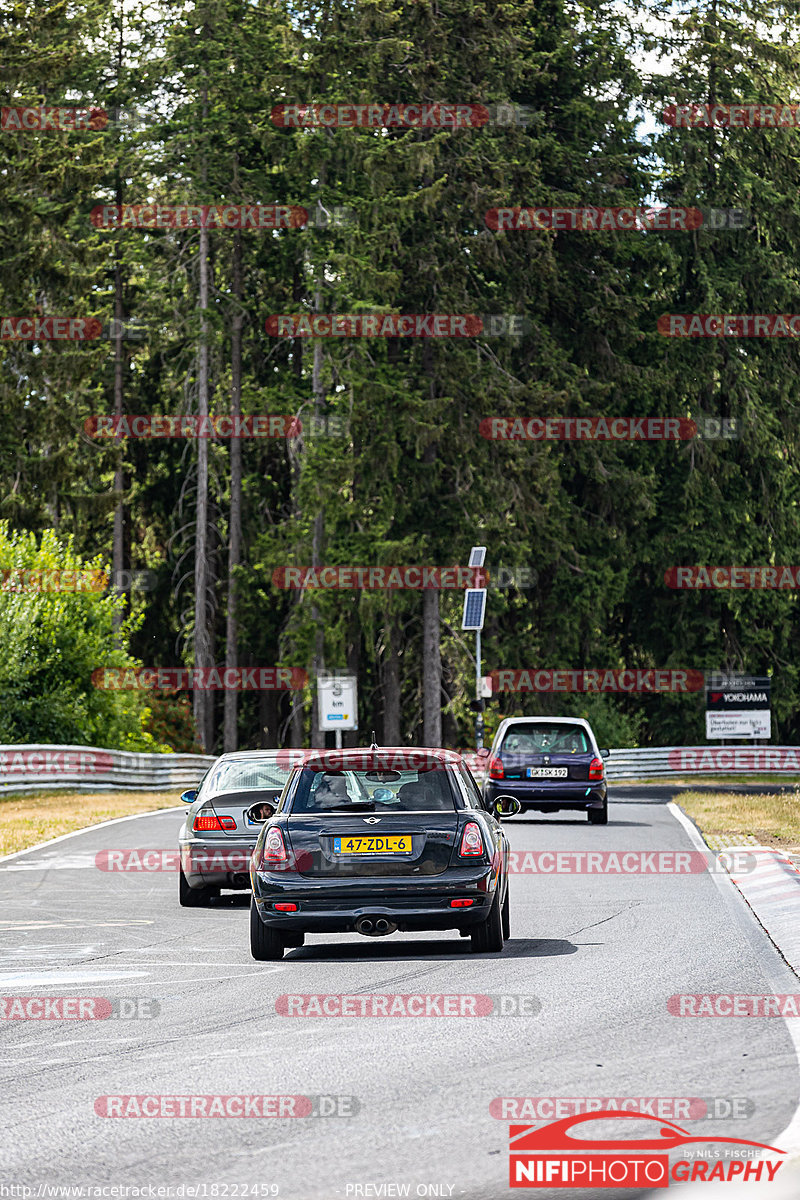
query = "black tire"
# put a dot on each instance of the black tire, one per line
(191, 897)
(266, 944)
(598, 816)
(506, 914)
(487, 938)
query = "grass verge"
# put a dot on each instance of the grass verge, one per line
(774, 818)
(32, 817)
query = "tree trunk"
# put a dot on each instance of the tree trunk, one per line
(391, 688)
(230, 736)
(203, 714)
(118, 544)
(431, 670)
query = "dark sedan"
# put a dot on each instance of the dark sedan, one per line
(549, 763)
(379, 840)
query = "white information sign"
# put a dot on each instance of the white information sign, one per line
(337, 707)
(753, 723)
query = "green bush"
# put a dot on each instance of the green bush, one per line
(52, 640)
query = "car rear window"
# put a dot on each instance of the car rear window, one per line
(547, 738)
(244, 776)
(378, 791)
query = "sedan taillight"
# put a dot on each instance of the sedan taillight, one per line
(496, 768)
(208, 822)
(596, 769)
(471, 841)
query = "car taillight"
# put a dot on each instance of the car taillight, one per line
(209, 822)
(471, 841)
(285, 907)
(274, 848)
(461, 903)
(596, 768)
(496, 769)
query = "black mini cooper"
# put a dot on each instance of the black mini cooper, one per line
(378, 840)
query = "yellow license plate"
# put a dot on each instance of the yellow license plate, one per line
(372, 845)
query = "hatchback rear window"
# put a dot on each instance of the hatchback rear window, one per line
(546, 739)
(353, 792)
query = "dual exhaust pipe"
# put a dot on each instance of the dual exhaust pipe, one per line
(375, 926)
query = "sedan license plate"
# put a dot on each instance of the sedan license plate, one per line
(373, 845)
(547, 772)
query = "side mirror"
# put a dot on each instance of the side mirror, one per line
(506, 806)
(483, 752)
(258, 814)
(604, 753)
(189, 797)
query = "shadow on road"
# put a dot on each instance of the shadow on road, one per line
(545, 820)
(457, 948)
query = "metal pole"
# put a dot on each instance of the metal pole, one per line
(479, 715)
(477, 664)
(338, 739)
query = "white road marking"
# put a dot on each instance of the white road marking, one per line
(153, 812)
(52, 978)
(789, 1138)
(77, 924)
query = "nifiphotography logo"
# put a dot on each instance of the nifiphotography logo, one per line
(564, 1154)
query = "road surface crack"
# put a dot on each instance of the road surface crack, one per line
(613, 917)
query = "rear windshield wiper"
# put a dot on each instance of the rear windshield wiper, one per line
(358, 808)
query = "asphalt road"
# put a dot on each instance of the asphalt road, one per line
(601, 953)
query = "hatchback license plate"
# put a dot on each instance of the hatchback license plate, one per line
(372, 845)
(547, 772)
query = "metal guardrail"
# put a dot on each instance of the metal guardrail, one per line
(654, 762)
(89, 769)
(657, 761)
(86, 768)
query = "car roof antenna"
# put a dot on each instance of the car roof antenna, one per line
(374, 745)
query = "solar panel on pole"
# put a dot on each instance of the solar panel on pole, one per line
(474, 608)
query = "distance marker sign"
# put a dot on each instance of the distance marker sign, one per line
(338, 702)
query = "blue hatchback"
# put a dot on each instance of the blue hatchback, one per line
(548, 763)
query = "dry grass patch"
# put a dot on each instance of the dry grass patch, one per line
(773, 819)
(36, 817)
